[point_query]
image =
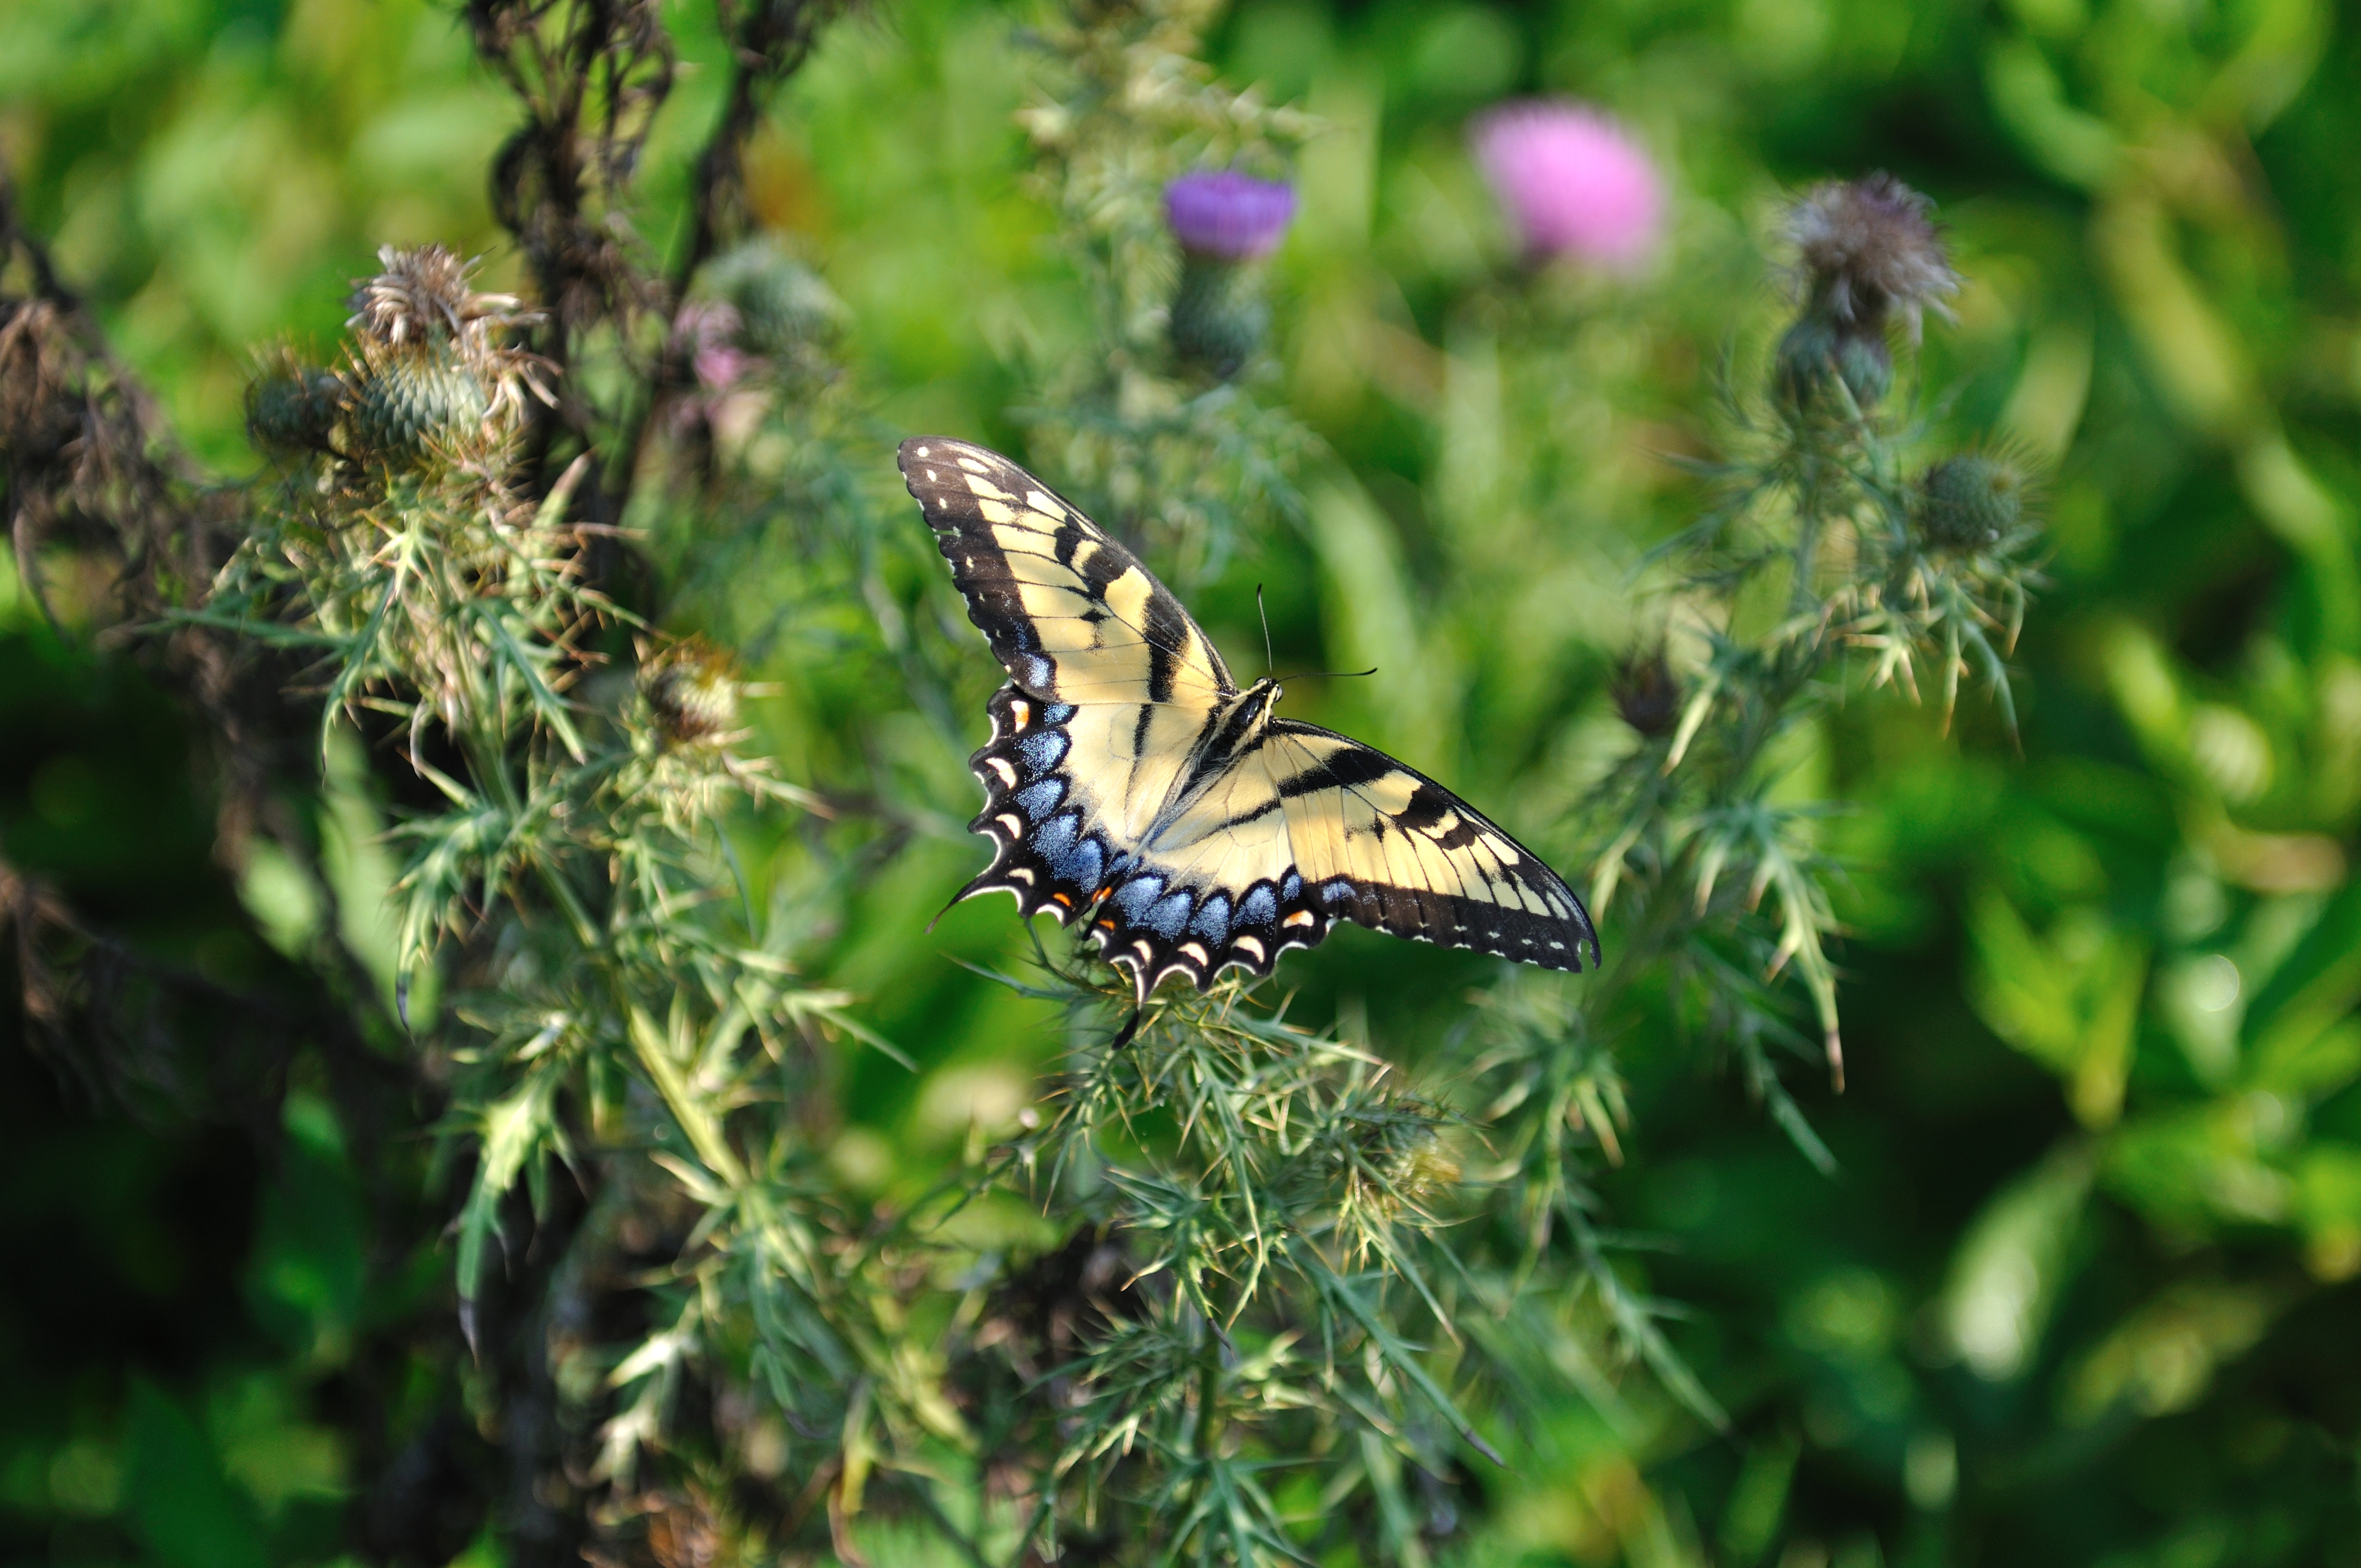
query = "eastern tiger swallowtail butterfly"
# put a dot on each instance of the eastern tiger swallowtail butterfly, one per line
(1131, 784)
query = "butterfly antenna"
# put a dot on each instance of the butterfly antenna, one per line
(1331, 675)
(1270, 664)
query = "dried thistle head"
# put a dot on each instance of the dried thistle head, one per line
(691, 689)
(1869, 248)
(422, 296)
(1867, 251)
(1647, 694)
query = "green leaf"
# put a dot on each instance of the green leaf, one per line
(1396, 1352)
(511, 1131)
(2315, 985)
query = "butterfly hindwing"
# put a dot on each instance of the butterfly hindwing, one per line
(1387, 847)
(1228, 897)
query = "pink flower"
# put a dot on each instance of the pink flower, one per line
(1574, 181)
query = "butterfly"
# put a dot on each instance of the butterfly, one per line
(1130, 783)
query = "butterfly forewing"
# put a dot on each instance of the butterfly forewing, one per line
(1070, 614)
(1125, 781)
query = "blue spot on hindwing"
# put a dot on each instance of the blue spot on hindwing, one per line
(1260, 909)
(1337, 891)
(1081, 864)
(1213, 921)
(1134, 896)
(1054, 839)
(1170, 915)
(1291, 887)
(1038, 672)
(1039, 800)
(1042, 750)
(1057, 713)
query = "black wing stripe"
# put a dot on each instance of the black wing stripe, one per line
(1358, 765)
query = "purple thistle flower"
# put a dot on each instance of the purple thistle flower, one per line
(1228, 215)
(1574, 181)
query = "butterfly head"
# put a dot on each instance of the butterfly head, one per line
(1243, 721)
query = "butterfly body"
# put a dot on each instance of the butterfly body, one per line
(1129, 781)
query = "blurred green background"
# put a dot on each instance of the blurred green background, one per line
(2083, 1290)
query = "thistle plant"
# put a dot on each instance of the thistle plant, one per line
(605, 1010)
(1268, 1201)
(1837, 554)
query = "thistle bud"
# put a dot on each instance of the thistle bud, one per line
(1219, 317)
(1816, 352)
(1224, 221)
(414, 403)
(691, 690)
(291, 406)
(1647, 694)
(1868, 255)
(1397, 1156)
(1973, 501)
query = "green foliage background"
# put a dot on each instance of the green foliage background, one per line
(2082, 1289)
